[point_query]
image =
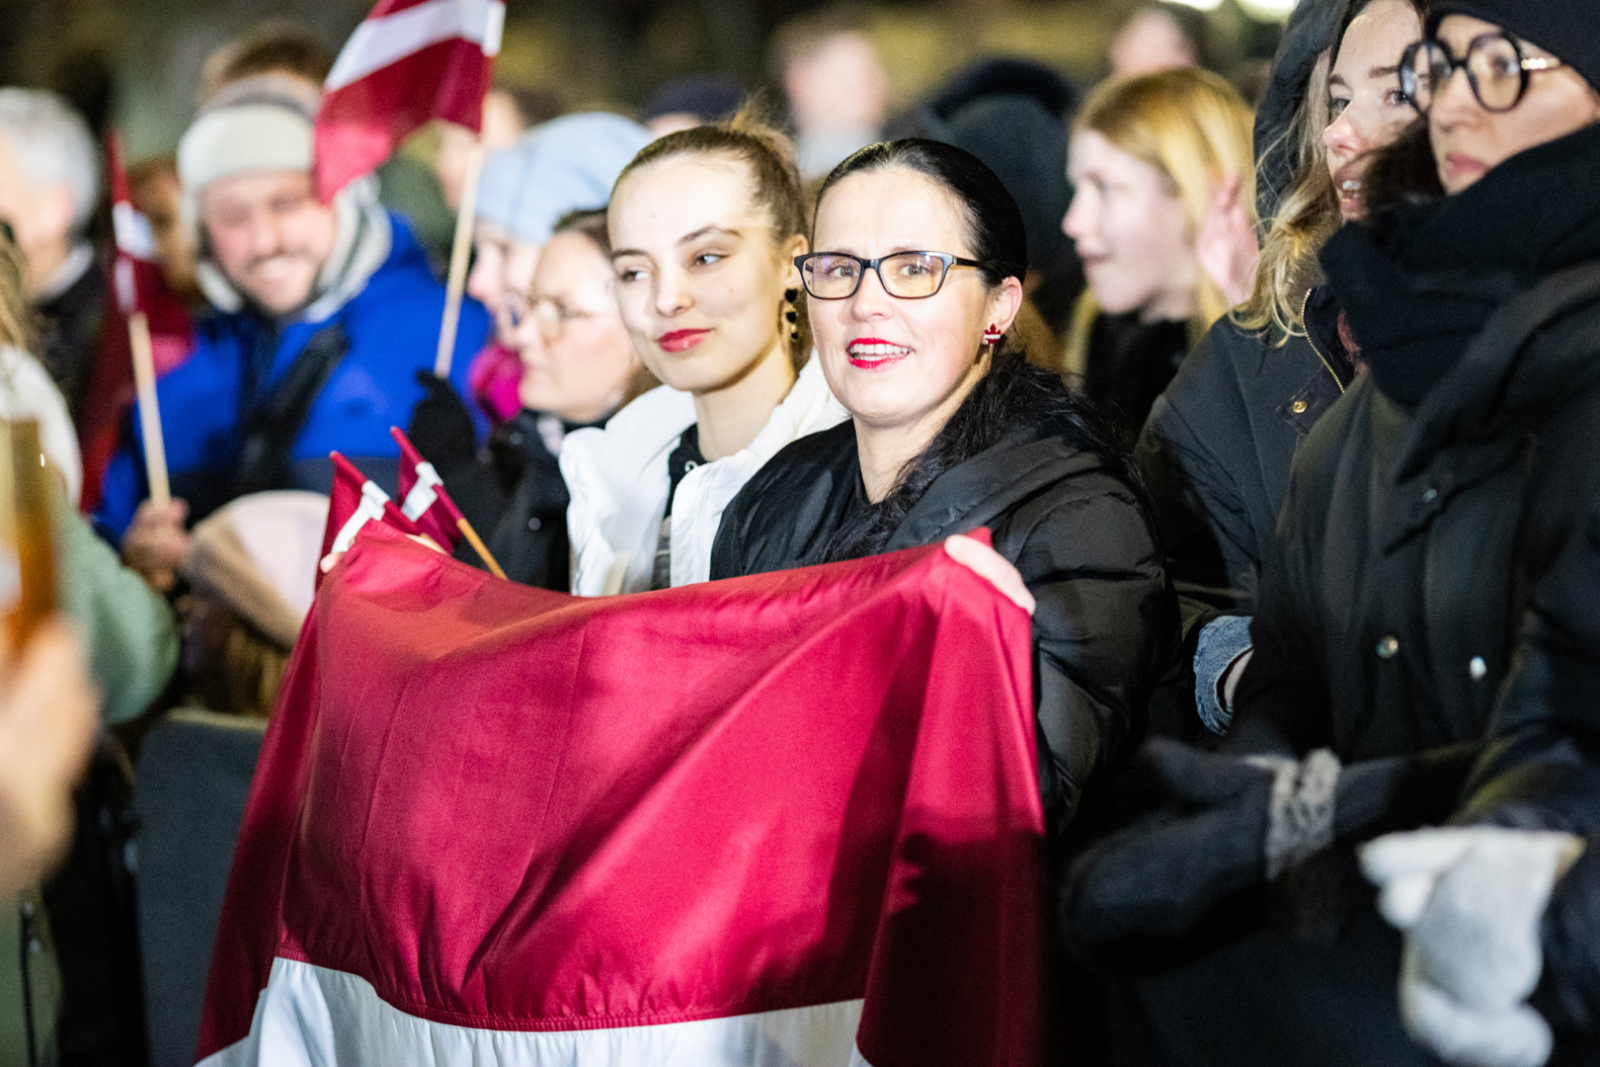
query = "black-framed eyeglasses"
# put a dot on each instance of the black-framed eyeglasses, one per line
(1497, 71)
(907, 275)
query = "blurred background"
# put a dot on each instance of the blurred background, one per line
(137, 63)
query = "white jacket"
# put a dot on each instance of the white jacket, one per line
(618, 481)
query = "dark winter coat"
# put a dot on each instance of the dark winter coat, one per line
(530, 540)
(1216, 450)
(1106, 622)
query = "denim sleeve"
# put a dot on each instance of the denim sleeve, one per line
(1223, 640)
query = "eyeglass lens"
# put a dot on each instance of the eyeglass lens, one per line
(907, 274)
(1494, 71)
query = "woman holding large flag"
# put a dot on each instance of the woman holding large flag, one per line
(914, 287)
(704, 226)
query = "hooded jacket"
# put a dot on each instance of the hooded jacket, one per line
(619, 482)
(1085, 545)
(383, 319)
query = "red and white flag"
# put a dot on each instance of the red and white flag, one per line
(423, 498)
(354, 501)
(785, 819)
(410, 62)
(137, 284)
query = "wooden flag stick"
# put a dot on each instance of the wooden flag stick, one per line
(460, 252)
(144, 379)
(479, 547)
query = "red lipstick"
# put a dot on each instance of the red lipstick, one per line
(681, 340)
(863, 359)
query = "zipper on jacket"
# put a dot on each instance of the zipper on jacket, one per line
(1304, 305)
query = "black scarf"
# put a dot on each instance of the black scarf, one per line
(1419, 283)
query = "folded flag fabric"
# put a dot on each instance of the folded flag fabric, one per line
(423, 499)
(779, 820)
(410, 61)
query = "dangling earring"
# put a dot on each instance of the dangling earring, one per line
(791, 314)
(992, 335)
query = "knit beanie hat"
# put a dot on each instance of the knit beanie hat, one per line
(567, 164)
(1567, 29)
(260, 123)
(258, 555)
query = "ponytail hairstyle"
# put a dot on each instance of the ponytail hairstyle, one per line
(776, 188)
(1012, 393)
(1308, 215)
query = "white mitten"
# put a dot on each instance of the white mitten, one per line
(1470, 901)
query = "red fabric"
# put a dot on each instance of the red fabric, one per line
(136, 284)
(441, 520)
(514, 809)
(360, 125)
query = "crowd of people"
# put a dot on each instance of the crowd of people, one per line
(1283, 416)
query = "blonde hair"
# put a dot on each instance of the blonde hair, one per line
(1193, 127)
(1307, 216)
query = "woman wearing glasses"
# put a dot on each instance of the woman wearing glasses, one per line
(1424, 513)
(578, 368)
(1216, 449)
(913, 287)
(704, 225)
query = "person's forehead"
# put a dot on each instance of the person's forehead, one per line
(880, 211)
(673, 198)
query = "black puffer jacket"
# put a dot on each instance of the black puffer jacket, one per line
(1411, 542)
(1216, 450)
(1106, 622)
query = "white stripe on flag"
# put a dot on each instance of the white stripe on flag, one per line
(369, 510)
(313, 1015)
(382, 41)
(423, 493)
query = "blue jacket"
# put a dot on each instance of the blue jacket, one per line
(392, 327)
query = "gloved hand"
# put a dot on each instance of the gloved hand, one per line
(441, 426)
(1204, 840)
(1471, 901)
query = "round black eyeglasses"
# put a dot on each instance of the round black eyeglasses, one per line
(1496, 69)
(907, 275)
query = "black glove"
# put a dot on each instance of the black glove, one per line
(1203, 841)
(441, 426)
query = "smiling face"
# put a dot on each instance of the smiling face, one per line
(577, 358)
(1365, 104)
(270, 235)
(1468, 141)
(1131, 230)
(700, 275)
(896, 363)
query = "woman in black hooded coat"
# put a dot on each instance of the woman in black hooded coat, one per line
(952, 431)
(1423, 510)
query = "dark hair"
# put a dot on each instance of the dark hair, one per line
(995, 230)
(1402, 174)
(1191, 24)
(591, 223)
(1012, 394)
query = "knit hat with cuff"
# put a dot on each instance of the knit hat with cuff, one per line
(260, 123)
(1567, 29)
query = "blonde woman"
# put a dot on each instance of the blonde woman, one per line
(1218, 444)
(1162, 215)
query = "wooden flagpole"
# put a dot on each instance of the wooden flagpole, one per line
(144, 380)
(479, 547)
(460, 252)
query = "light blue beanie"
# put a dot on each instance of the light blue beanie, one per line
(567, 164)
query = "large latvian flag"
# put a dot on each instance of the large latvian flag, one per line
(782, 820)
(410, 61)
